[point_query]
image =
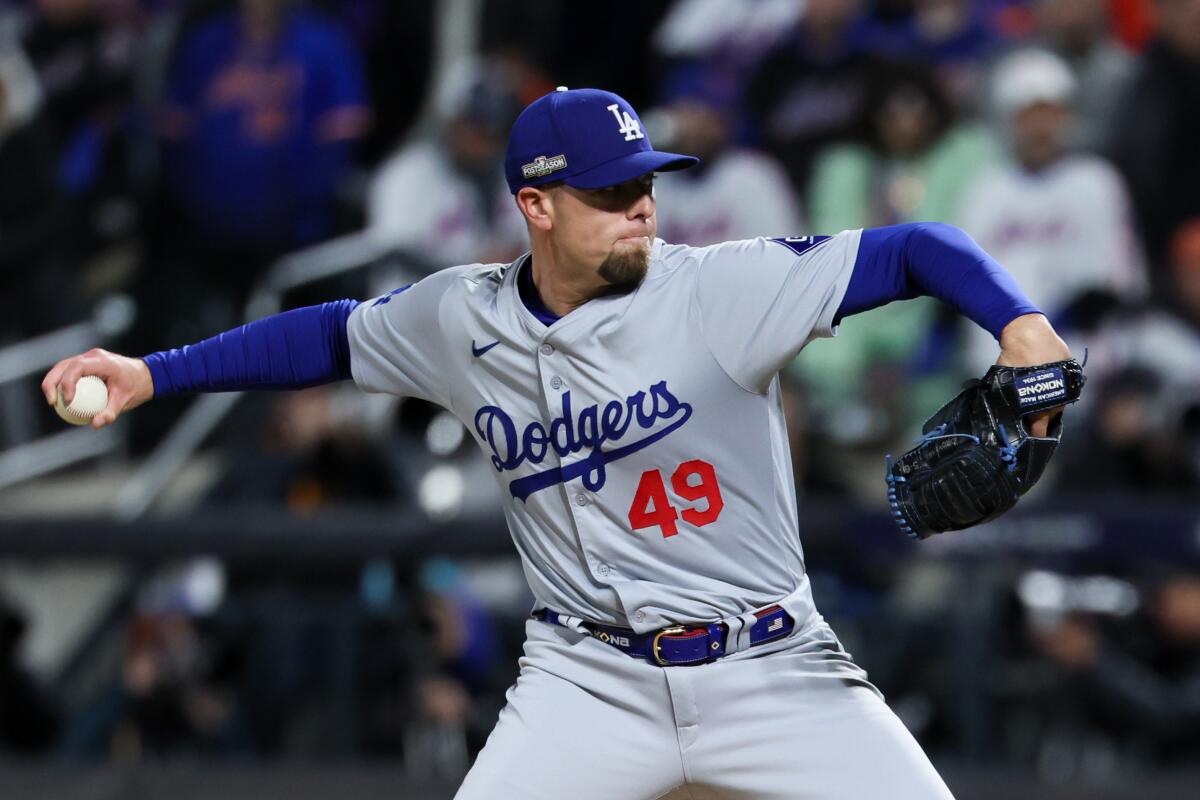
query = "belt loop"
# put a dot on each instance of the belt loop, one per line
(743, 638)
(574, 623)
(733, 630)
(562, 620)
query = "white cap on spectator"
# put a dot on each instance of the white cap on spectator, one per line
(1030, 77)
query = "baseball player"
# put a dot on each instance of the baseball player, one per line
(625, 392)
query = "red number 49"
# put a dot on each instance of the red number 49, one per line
(692, 480)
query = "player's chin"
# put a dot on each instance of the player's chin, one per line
(626, 264)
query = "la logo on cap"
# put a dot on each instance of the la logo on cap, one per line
(565, 136)
(627, 124)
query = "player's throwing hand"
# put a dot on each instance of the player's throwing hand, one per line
(128, 380)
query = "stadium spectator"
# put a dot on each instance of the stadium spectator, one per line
(397, 42)
(580, 44)
(735, 192)
(33, 293)
(957, 42)
(311, 450)
(810, 90)
(178, 701)
(462, 688)
(952, 36)
(1133, 438)
(914, 164)
(176, 690)
(1144, 432)
(1142, 686)
(443, 198)
(85, 55)
(915, 167)
(263, 107)
(728, 36)
(1154, 141)
(1060, 222)
(1080, 32)
(1162, 337)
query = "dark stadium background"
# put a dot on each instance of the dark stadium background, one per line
(313, 595)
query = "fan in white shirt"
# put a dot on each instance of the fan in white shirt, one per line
(1061, 222)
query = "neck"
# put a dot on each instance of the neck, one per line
(562, 284)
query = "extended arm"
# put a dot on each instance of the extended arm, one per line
(292, 350)
(299, 348)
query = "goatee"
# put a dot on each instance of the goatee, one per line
(624, 268)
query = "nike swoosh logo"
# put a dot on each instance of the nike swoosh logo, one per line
(478, 351)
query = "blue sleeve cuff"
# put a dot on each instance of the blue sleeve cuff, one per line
(930, 258)
(299, 348)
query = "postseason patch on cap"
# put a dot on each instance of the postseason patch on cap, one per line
(544, 165)
(1042, 388)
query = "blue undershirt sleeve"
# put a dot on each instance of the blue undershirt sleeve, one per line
(293, 350)
(931, 258)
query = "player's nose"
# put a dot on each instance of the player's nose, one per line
(642, 206)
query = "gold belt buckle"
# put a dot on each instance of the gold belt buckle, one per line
(654, 643)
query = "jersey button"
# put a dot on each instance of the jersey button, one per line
(581, 500)
(546, 349)
(603, 570)
(556, 382)
(640, 616)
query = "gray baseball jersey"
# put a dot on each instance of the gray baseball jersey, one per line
(640, 440)
(641, 447)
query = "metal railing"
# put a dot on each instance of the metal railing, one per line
(331, 259)
(114, 316)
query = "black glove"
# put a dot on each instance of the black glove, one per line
(976, 458)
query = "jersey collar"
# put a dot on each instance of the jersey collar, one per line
(529, 294)
(523, 299)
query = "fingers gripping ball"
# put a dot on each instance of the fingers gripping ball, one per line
(91, 397)
(977, 458)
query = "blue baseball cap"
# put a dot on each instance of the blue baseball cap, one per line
(585, 138)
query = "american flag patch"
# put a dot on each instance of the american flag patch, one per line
(776, 625)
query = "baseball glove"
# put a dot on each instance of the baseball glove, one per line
(976, 457)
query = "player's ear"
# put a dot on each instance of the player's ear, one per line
(537, 206)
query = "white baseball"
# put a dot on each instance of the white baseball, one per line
(91, 396)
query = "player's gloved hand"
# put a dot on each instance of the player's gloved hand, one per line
(128, 380)
(981, 452)
(1027, 341)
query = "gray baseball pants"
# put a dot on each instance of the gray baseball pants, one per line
(793, 719)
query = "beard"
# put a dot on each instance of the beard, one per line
(624, 268)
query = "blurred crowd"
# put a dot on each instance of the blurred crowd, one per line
(174, 150)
